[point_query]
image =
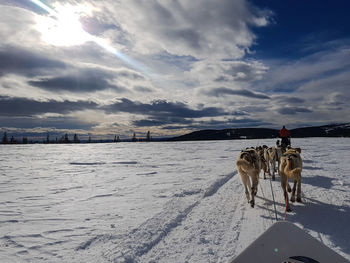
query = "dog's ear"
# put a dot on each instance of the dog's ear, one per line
(298, 150)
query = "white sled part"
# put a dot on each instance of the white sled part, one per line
(284, 241)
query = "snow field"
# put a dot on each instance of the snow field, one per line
(180, 202)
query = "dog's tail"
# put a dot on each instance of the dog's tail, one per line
(244, 164)
(294, 172)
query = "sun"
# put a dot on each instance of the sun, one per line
(62, 28)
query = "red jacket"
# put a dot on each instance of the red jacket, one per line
(284, 133)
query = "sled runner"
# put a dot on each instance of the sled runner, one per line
(284, 242)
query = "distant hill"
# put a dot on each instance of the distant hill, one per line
(332, 130)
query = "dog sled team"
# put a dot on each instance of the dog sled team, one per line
(253, 160)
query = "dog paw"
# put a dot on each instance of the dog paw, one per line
(252, 203)
(289, 209)
(292, 199)
(299, 200)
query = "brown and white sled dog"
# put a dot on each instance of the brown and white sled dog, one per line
(262, 160)
(290, 168)
(271, 154)
(248, 167)
(279, 152)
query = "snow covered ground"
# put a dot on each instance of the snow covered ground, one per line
(159, 201)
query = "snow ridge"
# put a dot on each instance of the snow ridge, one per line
(168, 227)
(88, 243)
(140, 241)
(218, 184)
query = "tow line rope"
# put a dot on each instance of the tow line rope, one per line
(285, 211)
(273, 198)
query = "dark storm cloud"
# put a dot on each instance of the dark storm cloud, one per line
(26, 107)
(142, 89)
(50, 122)
(163, 108)
(80, 81)
(219, 92)
(293, 110)
(25, 62)
(167, 120)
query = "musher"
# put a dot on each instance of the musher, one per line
(285, 136)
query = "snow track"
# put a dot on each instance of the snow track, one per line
(200, 228)
(153, 240)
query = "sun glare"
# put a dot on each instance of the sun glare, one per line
(63, 28)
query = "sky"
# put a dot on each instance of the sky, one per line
(115, 67)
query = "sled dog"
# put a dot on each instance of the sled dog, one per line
(290, 168)
(248, 167)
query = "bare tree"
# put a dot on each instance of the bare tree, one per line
(134, 138)
(4, 138)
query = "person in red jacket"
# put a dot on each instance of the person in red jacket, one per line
(285, 135)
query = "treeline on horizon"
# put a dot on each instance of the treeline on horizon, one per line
(331, 130)
(65, 139)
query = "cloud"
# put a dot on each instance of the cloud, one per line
(293, 110)
(35, 124)
(241, 71)
(233, 123)
(200, 53)
(289, 100)
(161, 121)
(143, 89)
(200, 28)
(75, 83)
(190, 121)
(218, 124)
(25, 62)
(234, 77)
(78, 79)
(219, 92)
(26, 107)
(162, 108)
(289, 76)
(96, 27)
(232, 71)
